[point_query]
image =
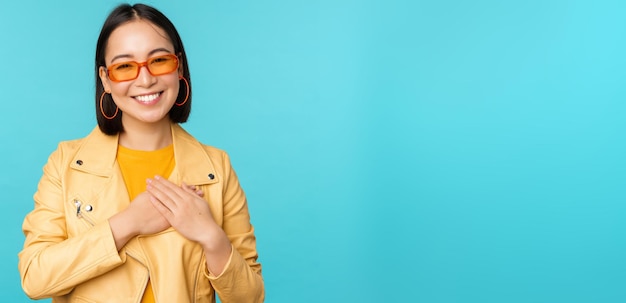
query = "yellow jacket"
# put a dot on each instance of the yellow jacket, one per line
(69, 253)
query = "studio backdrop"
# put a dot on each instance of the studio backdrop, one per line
(391, 151)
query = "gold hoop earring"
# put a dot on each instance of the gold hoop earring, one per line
(102, 109)
(187, 96)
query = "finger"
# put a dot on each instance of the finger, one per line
(163, 195)
(188, 188)
(167, 183)
(192, 189)
(161, 208)
(166, 187)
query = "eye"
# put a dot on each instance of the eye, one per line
(160, 60)
(123, 66)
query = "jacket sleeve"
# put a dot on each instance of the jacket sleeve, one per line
(50, 264)
(241, 280)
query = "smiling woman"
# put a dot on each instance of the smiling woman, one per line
(139, 191)
(144, 98)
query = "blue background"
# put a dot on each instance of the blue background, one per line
(391, 151)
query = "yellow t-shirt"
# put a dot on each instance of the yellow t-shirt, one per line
(136, 167)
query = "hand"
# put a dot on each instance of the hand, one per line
(139, 218)
(183, 207)
(146, 218)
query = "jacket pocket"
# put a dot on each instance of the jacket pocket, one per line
(78, 219)
(82, 211)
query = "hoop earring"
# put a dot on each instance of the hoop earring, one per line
(102, 110)
(187, 96)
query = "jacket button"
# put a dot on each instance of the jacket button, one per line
(211, 176)
(79, 162)
(88, 208)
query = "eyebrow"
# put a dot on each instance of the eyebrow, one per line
(156, 50)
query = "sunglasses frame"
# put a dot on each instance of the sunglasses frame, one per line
(140, 65)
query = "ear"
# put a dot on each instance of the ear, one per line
(102, 72)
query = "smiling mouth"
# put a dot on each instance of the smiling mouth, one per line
(147, 98)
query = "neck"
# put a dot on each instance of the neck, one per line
(146, 137)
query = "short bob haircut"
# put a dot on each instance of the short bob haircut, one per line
(120, 15)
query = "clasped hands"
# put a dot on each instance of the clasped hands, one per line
(166, 204)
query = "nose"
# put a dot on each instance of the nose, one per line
(145, 78)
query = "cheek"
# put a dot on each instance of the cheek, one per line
(119, 90)
(173, 82)
(173, 85)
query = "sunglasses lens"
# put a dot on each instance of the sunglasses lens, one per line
(162, 64)
(124, 71)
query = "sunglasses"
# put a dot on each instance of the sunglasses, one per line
(126, 71)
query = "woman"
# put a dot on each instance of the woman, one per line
(139, 211)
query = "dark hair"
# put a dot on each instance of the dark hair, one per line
(120, 15)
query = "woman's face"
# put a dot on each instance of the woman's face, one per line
(147, 99)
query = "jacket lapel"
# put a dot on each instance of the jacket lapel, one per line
(97, 154)
(193, 165)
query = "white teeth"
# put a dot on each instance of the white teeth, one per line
(147, 98)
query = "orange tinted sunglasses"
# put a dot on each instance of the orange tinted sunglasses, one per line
(126, 71)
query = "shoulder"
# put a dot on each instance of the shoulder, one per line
(95, 136)
(213, 151)
(191, 151)
(68, 148)
(185, 141)
(217, 156)
(94, 145)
